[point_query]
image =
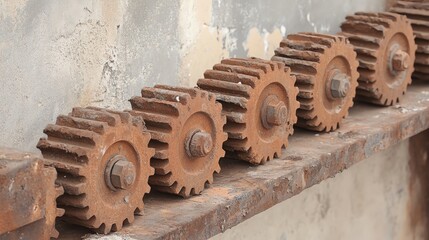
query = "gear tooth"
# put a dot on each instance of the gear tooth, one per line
(104, 228)
(236, 76)
(298, 65)
(312, 38)
(187, 192)
(161, 152)
(364, 26)
(236, 131)
(212, 98)
(95, 114)
(166, 180)
(241, 145)
(117, 226)
(315, 122)
(303, 45)
(82, 124)
(65, 167)
(59, 190)
(59, 212)
(296, 54)
(217, 170)
(72, 185)
(192, 92)
(183, 192)
(237, 69)
(138, 212)
(54, 233)
(392, 16)
(75, 200)
(72, 152)
(161, 166)
(82, 137)
(152, 172)
(153, 105)
(368, 32)
(239, 90)
(124, 117)
(194, 191)
(251, 63)
(166, 95)
(74, 214)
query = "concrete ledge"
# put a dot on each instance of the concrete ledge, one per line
(242, 191)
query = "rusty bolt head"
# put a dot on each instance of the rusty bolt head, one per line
(200, 144)
(123, 174)
(400, 61)
(276, 113)
(340, 85)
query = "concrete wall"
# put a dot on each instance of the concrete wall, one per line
(57, 54)
(384, 197)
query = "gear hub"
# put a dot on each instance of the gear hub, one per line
(325, 67)
(102, 159)
(259, 101)
(385, 48)
(187, 132)
(418, 14)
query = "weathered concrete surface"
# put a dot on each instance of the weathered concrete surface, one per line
(377, 199)
(56, 54)
(242, 191)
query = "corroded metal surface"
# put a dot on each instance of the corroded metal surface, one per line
(28, 195)
(418, 14)
(241, 191)
(102, 159)
(385, 48)
(259, 100)
(325, 67)
(187, 132)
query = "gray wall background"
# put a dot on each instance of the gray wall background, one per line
(57, 54)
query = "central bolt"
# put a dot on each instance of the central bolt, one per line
(199, 144)
(340, 85)
(400, 61)
(276, 113)
(273, 112)
(123, 173)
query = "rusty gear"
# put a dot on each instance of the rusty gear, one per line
(385, 46)
(418, 14)
(187, 132)
(52, 195)
(103, 163)
(325, 67)
(259, 100)
(18, 221)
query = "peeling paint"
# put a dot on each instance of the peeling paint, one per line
(262, 45)
(202, 45)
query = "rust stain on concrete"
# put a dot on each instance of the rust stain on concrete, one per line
(418, 206)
